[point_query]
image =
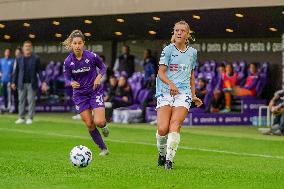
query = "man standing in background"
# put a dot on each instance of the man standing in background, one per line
(15, 100)
(6, 68)
(125, 63)
(26, 81)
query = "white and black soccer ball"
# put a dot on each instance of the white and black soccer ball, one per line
(81, 156)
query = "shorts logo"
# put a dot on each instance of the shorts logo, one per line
(77, 107)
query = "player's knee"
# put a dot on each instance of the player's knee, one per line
(175, 122)
(100, 122)
(90, 124)
(175, 125)
(162, 131)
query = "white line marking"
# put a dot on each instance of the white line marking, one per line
(149, 144)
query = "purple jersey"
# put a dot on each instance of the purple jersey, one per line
(83, 71)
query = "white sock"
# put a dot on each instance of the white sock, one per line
(162, 144)
(172, 145)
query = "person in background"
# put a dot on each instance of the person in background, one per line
(123, 95)
(226, 83)
(110, 88)
(6, 69)
(109, 71)
(110, 95)
(221, 69)
(200, 90)
(276, 106)
(150, 69)
(25, 79)
(249, 89)
(217, 103)
(125, 62)
(15, 99)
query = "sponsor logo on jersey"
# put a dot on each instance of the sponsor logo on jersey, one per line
(174, 67)
(84, 69)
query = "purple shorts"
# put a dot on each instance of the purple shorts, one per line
(92, 100)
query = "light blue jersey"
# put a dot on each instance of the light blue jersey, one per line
(179, 67)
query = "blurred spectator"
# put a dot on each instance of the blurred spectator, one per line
(118, 95)
(109, 96)
(221, 69)
(276, 106)
(150, 69)
(249, 89)
(15, 99)
(18, 52)
(201, 88)
(110, 89)
(217, 103)
(6, 69)
(123, 95)
(226, 84)
(125, 62)
(26, 80)
(109, 71)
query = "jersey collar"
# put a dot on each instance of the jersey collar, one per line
(180, 50)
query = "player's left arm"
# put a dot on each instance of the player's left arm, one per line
(197, 101)
(100, 64)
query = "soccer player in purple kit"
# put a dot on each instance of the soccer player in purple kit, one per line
(80, 71)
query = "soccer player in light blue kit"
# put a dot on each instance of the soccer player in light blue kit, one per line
(175, 91)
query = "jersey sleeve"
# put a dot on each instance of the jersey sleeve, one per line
(100, 64)
(165, 56)
(67, 72)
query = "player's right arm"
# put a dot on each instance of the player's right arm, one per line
(67, 76)
(163, 76)
(162, 72)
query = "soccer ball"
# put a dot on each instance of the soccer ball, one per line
(81, 156)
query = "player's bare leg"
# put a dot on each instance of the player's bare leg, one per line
(100, 120)
(177, 118)
(163, 121)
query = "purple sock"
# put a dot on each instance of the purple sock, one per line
(97, 138)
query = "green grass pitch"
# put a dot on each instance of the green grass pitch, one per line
(37, 157)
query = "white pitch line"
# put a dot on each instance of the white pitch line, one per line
(145, 143)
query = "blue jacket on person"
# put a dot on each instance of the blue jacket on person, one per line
(6, 68)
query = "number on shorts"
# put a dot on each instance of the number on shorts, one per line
(99, 100)
(187, 99)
